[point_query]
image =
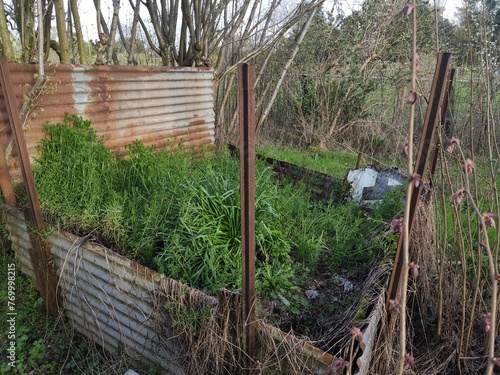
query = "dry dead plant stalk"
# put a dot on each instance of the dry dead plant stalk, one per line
(210, 343)
(403, 363)
(485, 221)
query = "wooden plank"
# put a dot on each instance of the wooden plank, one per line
(46, 279)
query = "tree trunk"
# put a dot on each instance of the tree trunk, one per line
(82, 52)
(164, 47)
(25, 20)
(61, 32)
(112, 34)
(133, 34)
(46, 29)
(103, 32)
(7, 49)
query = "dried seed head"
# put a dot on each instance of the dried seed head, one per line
(404, 149)
(469, 166)
(488, 219)
(357, 334)
(458, 196)
(486, 322)
(411, 98)
(394, 306)
(496, 361)
(416, 179)
(408, 8)
(397, 225)
(409, 361)
(414, 267)
(450, 143)
(337, 366)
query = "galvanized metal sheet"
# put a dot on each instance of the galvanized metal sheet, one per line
(107, 297)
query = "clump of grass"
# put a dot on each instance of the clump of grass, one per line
(203, 248)
(74, 175)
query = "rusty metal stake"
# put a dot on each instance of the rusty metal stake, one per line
(46, 279)
(426, 140)
(444, 110)
(246, 103)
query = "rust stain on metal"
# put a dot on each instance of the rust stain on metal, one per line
(197, 122)
(99, 107)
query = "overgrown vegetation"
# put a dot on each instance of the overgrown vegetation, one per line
(181, 214)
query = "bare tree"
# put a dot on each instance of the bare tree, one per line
(47, 11)
(25, 20)
(112, 32)
(133, 34)
(104, 43)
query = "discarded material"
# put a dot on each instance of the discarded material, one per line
(370, 185)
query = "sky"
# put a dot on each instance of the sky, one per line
(450, 7)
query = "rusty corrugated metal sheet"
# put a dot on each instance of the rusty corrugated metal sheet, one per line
(125, 103)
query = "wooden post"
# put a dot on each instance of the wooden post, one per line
(246, 102)
(45, 275)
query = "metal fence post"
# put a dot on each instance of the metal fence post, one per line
(246, 102)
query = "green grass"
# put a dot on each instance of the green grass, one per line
(334, 163)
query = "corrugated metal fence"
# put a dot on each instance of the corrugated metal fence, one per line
(121, 305)
(109, 298)
(125, 103)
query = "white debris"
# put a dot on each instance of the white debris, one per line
(370, 185)
(312, 294)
